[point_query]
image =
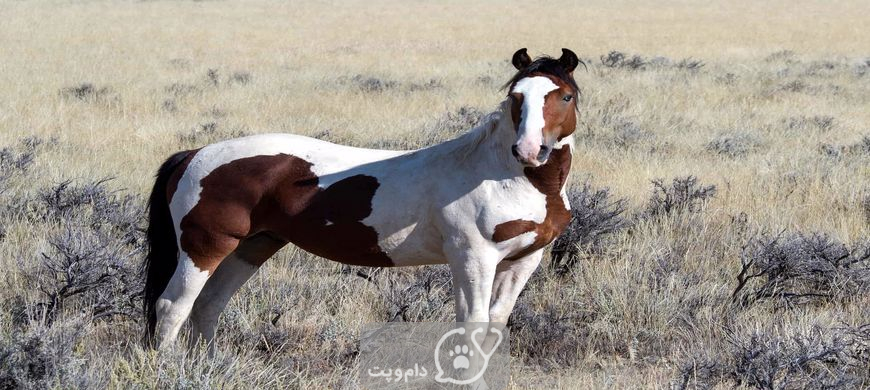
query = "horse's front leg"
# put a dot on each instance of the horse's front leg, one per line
(510, 278)
(473, 269)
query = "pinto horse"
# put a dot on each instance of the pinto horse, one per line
(486, 203)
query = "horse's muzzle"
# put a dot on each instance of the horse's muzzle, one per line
(541, 158)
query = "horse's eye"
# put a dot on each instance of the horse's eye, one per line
(568, 98)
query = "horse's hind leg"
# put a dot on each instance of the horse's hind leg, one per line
(191, 275)
(233, 272)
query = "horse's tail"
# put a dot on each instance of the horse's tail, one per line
(162, 259)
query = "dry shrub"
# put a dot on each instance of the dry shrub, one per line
(91, 94)
(180, 90)
(688, 64)
(369, 84)
(214, 112)
(727, 79)
(91, 268)
(616, 59)
(822, 68)
(425, 294)
(170, 106)
(619, 60)
(432, 84)
(627, 133)
(794, 86)
(15, 163)
(861, 67)
(861, 147)
(88, 272)
(212, 81)
(684, 194)
(213, 77)
(801, 268)
(16, 160)
(805, 123)
(551, 338)
(639, 312)
(85, 92)
(94, 204)
(45, 356)
(833, 358)
(374, 84)
(240, 78)
(781, 55)
(93, 257)
(734, 144)
(595, 216)
(858, 149)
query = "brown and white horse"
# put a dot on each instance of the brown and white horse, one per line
(486, 203)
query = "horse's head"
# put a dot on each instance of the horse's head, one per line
(543, 102)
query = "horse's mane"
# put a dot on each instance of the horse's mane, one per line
(489, 124)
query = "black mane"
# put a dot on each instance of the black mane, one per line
(546, 65)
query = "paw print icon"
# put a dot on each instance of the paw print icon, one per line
(460, 355)
(468, 364)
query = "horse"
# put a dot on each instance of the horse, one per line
(486, 203)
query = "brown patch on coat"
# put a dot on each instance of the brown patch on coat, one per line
(549, 180)
(280, 195)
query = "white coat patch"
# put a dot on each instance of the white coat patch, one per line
(569, 143)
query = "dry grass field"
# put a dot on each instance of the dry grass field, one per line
(722, 184)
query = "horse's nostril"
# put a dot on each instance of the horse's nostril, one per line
(514, 151)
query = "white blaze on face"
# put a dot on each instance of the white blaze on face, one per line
(530, 136)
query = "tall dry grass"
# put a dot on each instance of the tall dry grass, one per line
(775, 116)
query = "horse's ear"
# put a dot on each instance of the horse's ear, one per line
(569, 60)
(521, 59)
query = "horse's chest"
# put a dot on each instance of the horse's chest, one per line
(522, 236)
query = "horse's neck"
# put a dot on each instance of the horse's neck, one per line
(486, 148)
(485, 151)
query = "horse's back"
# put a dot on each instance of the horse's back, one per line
(326, 156)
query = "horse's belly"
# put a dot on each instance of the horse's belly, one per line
(346, 242)
(356, 243)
